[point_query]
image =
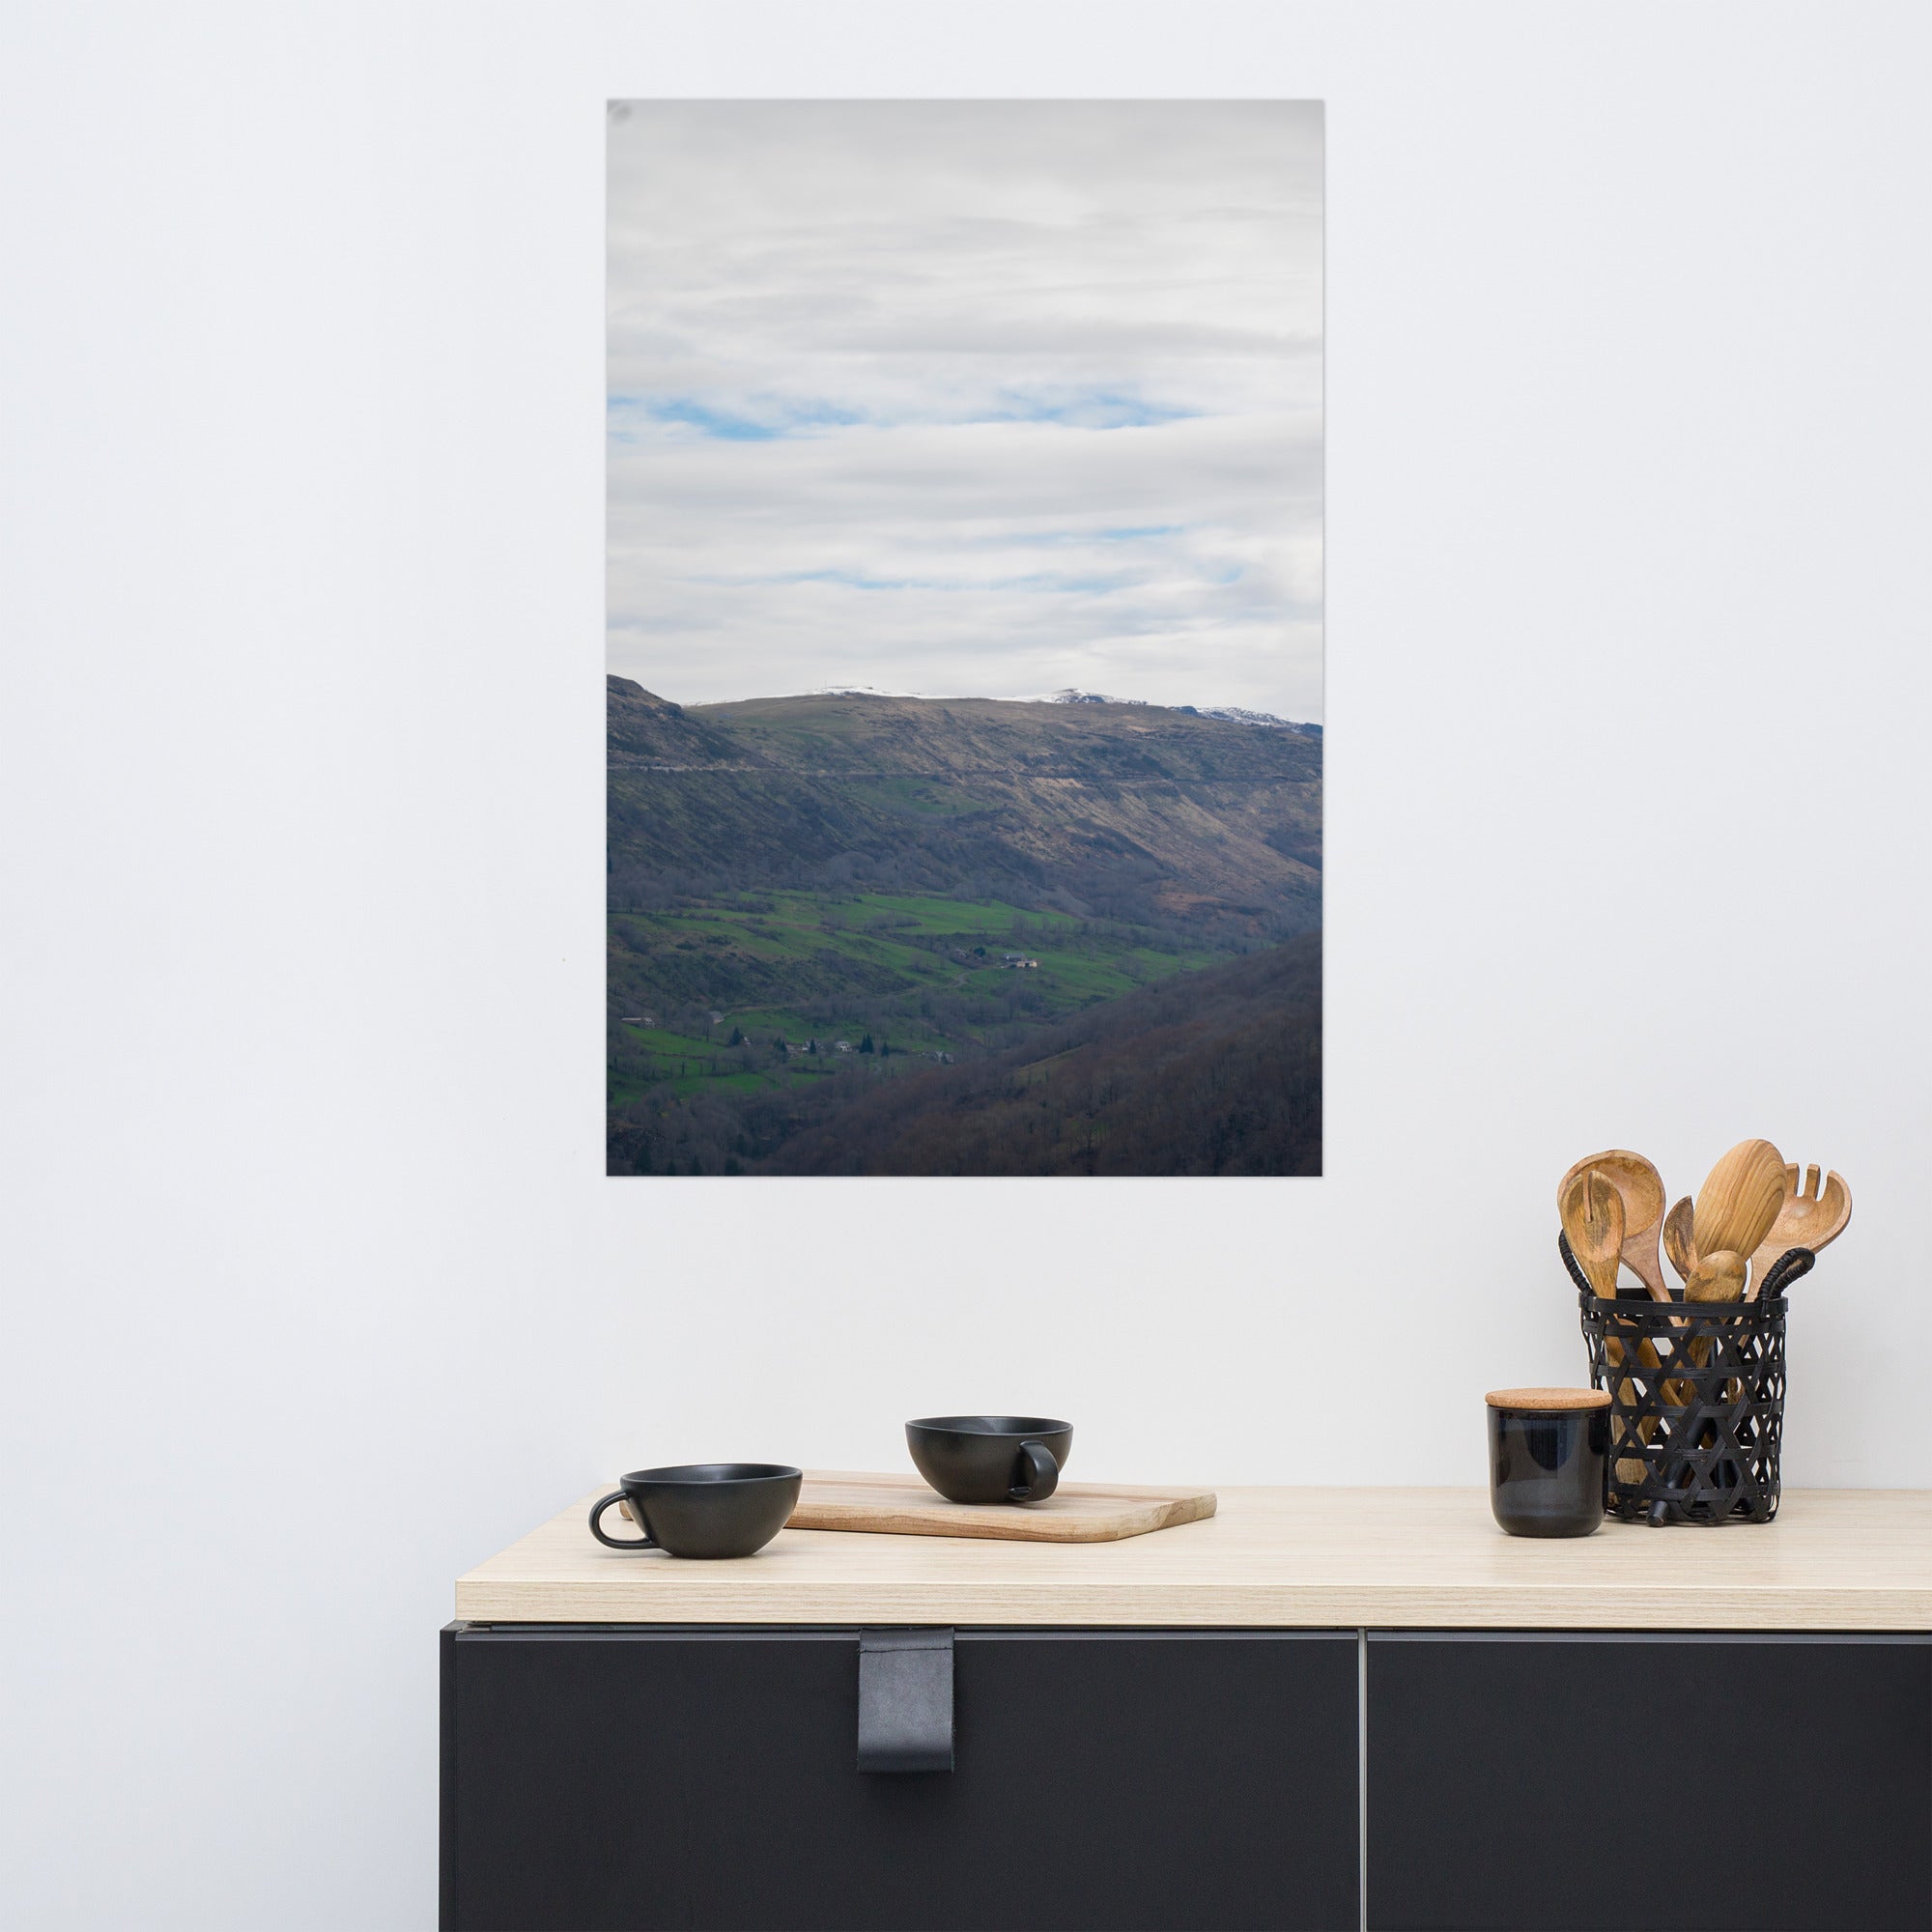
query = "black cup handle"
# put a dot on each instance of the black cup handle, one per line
(1041, 1477)
(597, 1510)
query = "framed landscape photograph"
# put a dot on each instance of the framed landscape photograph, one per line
(965, 638)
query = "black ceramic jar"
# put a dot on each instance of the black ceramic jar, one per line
(1548, 1459)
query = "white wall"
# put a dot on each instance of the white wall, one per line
(315, 1294)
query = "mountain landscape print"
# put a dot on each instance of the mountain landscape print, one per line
(964, 695)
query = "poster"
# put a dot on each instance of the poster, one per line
(965, 638)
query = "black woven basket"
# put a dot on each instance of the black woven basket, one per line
(1697, 1401)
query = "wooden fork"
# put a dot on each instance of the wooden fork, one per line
(1808, 1217)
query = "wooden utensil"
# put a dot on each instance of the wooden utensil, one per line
(1627, 1470)
(1679, 1242)
(1593, 1223)
(1739, 1199)
(1593, 1218)
(1718, 1277)
(1641, 1189)
(1809, 1217)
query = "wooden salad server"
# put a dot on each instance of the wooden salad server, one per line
(1738, 1201)
(1592, 1211)
(1809, 1217)
(1641, 1187)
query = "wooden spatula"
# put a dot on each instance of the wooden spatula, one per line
(1739, 1199)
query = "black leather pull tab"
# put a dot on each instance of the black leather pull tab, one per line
(905, 1700)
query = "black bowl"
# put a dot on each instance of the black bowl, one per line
(990, 1459)
(703, 1509)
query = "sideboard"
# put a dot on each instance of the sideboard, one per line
(1322, 1709)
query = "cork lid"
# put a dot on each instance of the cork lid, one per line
(1548, 1401)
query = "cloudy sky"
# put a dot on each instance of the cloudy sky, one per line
(970, 399)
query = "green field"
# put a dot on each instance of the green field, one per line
(920, 975)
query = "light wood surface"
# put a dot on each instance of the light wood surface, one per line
(1809, 1217)
(1637, 1180)
(900, 1505)
(1846, 1559)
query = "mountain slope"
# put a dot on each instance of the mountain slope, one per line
(1131, 810)
(1217, 1072)
(642, 728)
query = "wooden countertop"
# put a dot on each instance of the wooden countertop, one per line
(1834, 1559)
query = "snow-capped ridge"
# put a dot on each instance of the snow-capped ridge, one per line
(1069, 696)
(1230, 714)
(1235, 714)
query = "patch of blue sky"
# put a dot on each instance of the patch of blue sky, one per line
(1084, 408)
(755, 420)
(767, 419)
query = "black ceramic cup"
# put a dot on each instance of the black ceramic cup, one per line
(702, 1509)
(1548, 1459)
(990, 1459)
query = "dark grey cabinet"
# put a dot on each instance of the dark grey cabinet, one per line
(1583, 1782)
(606, 1778)
(598, 1778)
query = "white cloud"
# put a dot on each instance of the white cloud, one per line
(967, 397)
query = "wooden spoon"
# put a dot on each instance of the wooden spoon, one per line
(1593, 1218)
(1808, 1217)
(1717, 1277)
(1738, 1201)
(1641, 1187)
(1680, 1241)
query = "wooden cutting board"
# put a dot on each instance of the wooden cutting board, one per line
(1075, 1513)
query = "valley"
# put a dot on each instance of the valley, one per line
(832, 914)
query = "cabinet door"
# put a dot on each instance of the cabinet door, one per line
(1578, 1782)
(602, 1778)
